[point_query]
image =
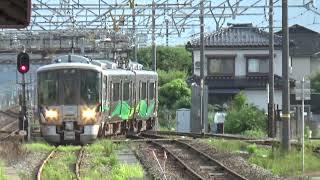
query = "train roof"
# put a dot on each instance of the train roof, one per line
(145, 72)
(68, 66)
(117, 72)
(105, 66)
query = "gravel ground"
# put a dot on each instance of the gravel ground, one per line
(25, 163)
(145, 154)
(236, 163)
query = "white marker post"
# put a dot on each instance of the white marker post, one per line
(302, 141)
(303, 93)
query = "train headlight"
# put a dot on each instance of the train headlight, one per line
(88, 114)
(52, 114)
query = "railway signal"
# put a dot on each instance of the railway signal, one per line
(23, 63)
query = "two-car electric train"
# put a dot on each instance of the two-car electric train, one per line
(80, 99)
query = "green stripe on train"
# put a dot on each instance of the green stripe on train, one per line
(124, 111)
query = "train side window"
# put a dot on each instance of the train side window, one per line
(151, 91)
(116, 91)
(126, 91)
(144, 90)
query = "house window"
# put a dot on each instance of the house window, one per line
(258, 65)
(221, 66)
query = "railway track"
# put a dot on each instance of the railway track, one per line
(10, 126)
(196, 164)
(53, 153)
(9, 113)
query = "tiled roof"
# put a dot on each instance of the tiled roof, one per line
(304, 41)
(237, 35)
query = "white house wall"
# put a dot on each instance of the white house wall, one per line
(240, 59)
(259, 98)
(300, 67)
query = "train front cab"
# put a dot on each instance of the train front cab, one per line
(69, 104)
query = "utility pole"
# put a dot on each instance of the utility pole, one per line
(201, 66)
(285, 75)
(167, 32)
(271, 123)
(135, 55)
(302, 133)
(154, 51)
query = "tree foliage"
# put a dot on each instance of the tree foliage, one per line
(175, 94)
(315, 81)
(165, 77)
(242, 116)
(168, 58)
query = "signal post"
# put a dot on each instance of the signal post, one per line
(23, 67)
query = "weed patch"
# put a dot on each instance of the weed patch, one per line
(60, 167)
(272, 159)
(124, 171)
(227, 145)
(2, 173)
(38, 146)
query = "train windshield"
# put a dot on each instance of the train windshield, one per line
(48, 87)
(69, 87)
(69, 81)
(89, 87)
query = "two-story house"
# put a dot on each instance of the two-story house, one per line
(305, 62)
(304, 51)
(236, 58)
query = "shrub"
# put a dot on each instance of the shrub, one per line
(242, 116)
(254, 133)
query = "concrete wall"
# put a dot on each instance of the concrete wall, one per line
(259, 98)
(240, 59)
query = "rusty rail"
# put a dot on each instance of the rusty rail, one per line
(79, 161)
(50, 155)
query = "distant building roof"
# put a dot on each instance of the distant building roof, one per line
(237, 35)
(304, 41)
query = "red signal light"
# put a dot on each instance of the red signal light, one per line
(23, 63)
(23, 69)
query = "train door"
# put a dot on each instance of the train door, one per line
(143, 105)
(115, 103)
(125, 109)
(105, 100)
(151, 98)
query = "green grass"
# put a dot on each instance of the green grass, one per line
(287, 163)
(2, 173)
(227, 145)
(125, 171)
(274, 160)
(105, 165)
(101, 158)
(68, 148)
(38, 146)
(255, 134)
(60, 167)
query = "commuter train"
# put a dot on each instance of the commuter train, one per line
(80, 99)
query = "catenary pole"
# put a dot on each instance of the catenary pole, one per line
(201, 66)
(285, 76)
(271, 127)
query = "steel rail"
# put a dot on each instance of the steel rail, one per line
(233, 173)
(9, 135)
(50, 155)
(183, 165)
(79, 161)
